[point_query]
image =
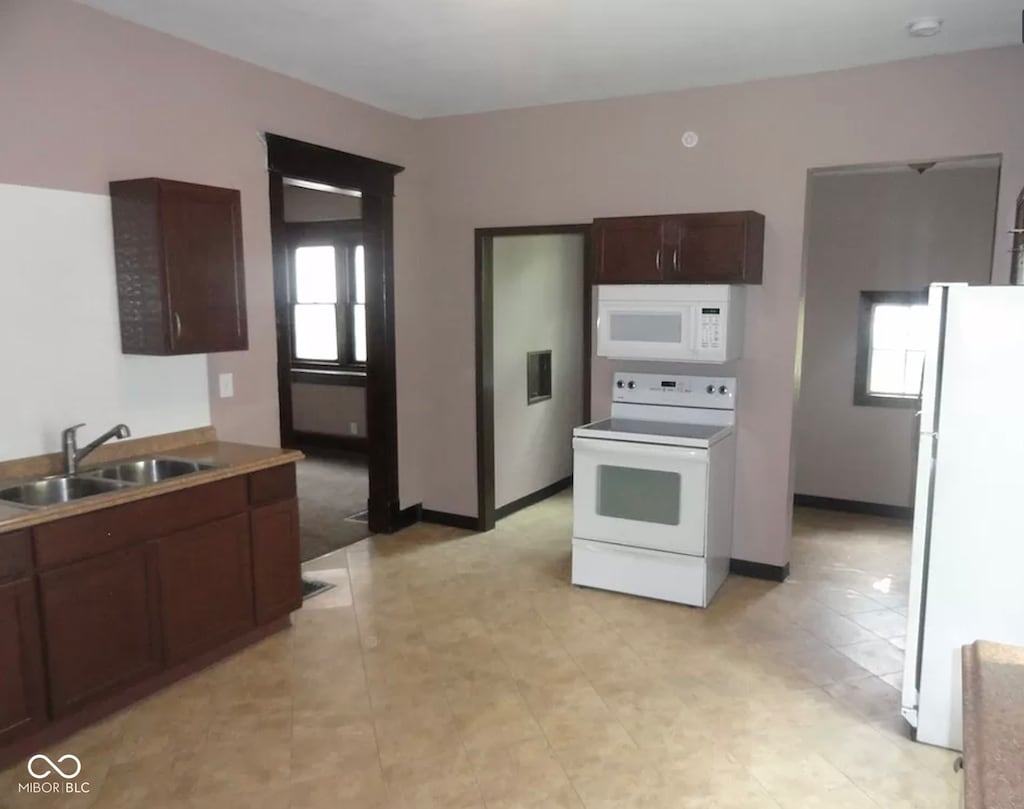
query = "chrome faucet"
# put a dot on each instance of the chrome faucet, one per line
(72, 454)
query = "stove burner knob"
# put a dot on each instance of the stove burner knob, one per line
(620, 384)
(711, 388)
(723, 389)
(631, 384)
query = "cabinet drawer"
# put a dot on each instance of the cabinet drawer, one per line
(271, 485)
(64, 541)
(15, 556)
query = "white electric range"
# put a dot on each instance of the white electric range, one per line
(653, 489)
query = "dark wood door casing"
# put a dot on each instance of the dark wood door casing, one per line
(1017, 251)
(22, 689)
(375, 179)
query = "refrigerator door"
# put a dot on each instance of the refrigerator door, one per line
(975, 549)
(923, 498)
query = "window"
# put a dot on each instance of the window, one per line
(892, 342)
(328, 279)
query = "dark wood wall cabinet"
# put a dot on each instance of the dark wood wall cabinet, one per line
(125, 596)
(180, 274)
(698, 248)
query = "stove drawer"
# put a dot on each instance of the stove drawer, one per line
(641, 572)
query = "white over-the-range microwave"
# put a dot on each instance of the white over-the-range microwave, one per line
(670, 322)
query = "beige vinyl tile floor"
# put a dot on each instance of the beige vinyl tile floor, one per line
(463, 671)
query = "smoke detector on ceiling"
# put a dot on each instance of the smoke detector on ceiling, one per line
(924, 27)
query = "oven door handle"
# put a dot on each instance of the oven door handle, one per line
(639, 451)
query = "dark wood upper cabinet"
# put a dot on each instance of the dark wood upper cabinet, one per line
(180, 273)
(101, 626)
(703, 248)
(22, 687)
(628, 250)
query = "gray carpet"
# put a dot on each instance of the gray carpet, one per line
(331, 489)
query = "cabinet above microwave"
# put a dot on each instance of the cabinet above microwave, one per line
(697, 248)
(670, 322)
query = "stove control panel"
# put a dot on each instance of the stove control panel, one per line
(716, 392)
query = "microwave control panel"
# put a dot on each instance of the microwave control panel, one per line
(710, 328)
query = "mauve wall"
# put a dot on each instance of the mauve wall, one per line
(88, 98)
(572, 162)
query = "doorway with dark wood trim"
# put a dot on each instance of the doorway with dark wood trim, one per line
(374, 181)
(487, 513)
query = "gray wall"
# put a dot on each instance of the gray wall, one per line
(310, 205)
(877, 231)
(538, 305)
(329, 409)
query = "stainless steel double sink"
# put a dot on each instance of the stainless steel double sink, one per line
(58, 489)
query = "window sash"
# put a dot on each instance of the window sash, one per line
(890, 358)
(349, 312)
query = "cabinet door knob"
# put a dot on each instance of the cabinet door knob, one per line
(177, 325)
(675, 259)
(657, 260)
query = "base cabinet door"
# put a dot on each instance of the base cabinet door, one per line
(22, 688)
(100, 626)
(276, 560)
(205, 587)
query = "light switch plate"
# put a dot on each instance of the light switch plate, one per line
(227, 385)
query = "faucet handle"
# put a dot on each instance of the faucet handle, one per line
(68, 434)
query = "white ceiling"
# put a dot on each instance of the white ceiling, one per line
(426, 58)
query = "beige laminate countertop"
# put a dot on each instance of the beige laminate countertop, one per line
(231, 459)
(993, 680)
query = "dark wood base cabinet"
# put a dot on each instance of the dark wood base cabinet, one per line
(205, 586)
(102, 628)
(127, 598)
(22, 689)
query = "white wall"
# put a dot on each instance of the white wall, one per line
(329, 409)
(538, 305)
(61, 361)
(876, 231)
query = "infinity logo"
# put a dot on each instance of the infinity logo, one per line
(54, 765)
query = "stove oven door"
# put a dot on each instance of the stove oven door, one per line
(643, 495)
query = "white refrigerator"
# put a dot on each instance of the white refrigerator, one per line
(967, 565)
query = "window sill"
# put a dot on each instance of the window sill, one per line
(353, 378)
(871, 400)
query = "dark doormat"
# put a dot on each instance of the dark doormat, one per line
(311, 587)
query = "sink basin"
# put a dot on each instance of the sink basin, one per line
(148, 470)
(51, 491)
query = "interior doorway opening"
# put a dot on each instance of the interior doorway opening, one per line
(533, 304)
(331, 227)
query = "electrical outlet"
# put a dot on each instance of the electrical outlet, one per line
(353, 428)
(227, 385)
